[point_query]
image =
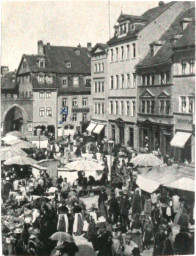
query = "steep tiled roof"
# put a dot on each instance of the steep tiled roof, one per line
(188, 38)
(166, 51)
(147, 17)
(8, 82)
(56, 58)
(102, 46)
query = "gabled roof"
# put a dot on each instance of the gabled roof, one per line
(164, 94)
(147, 17)
(147, 94)
(102, 47)
(133, 18)
(8, 82)
(56, 58)
(165, 52)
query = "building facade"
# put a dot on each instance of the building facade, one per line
(98, 125)
(58, 80)
(130, 44)
(184, 92)
(159, 91)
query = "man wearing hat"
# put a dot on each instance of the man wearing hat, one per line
(124, 210)
(103, 197)
(114, 209)
(159, 240)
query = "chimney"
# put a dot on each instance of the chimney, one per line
(40, 47)
(79, 46)
(89, 46)
(48, 45)
(161, 4)
(4, 70)
(184, 23)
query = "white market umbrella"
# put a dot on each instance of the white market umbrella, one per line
(52, 190)
(9, 152)
(20, 160)
(15, 134)
(183, 183)
(23, 144)
(146, 160)
(85, 165)
(9, 139)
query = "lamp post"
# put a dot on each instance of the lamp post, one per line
(39, 133)
(110, 145)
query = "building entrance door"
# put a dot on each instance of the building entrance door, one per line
(121, 135)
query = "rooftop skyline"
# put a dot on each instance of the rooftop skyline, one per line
(60, 23)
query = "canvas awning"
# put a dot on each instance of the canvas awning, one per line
(183, 183)
(179, 140)
(91, 127)
(99, 128)
(146, 184)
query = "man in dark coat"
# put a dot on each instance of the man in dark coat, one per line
(101, 202)
(182, 242)
(159, 241)
(124, 210)
(137, 203)
(114, 209)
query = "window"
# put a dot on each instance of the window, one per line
(148, 106)
(132, 27)
(134, 50)
(41, 112)
(99, 109)
(65, 81)
(111, 82)
(192, 66)
(116, 54)
(74, 102)
(49, 79)
(95, 108)
(143, 79)
(122, 52)
(128, 80)
(112, 55)
(64, 117)
(128, 52)
(84, 101)
(167, 77)
(111, 107)
(191, 104)
(103, 108)
(134, 80)
(84, 117)
(122, 108)
(64, 102)
(99, 68)
(123, 81)
(95, 68)
(95, 86)
(148, 79)
(134, 108)
(117, 81)
(48, 111)
(42, 95)
(116, 107)
(102, 65)
(167, 107)
(41, 63)
(143, 106)
(40, 79)
(162, 104)
(128, 108)
(102, 86)
(48, 94)
(99, 88)
(74, 117)
(184, 67)
(162, 78)
(24, 64)
(76, 81)
(183, 104)
(152, 79)
(152, 106)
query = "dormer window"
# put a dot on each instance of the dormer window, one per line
(49, 79)
(41, 78)
(68, 64)
(132, 27)
(42, 63)
(65, 81)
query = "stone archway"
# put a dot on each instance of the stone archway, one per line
(15, 118)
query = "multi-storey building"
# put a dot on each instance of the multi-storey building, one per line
(98, 123)
(184, 91)
(58, 79)
(157, 89)
(130, 43)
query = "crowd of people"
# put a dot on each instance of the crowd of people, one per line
(125, 221)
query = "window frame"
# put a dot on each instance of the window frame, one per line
(48, 94)
(42, 110)
(48, 110)
(74, 79)
(43, 95)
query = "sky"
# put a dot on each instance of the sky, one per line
(65, 23)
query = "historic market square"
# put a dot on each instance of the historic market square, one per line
(98, 142)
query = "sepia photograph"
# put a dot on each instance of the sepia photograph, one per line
(97, 128)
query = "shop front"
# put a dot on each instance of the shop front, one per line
(154, 136)
(183, 141)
